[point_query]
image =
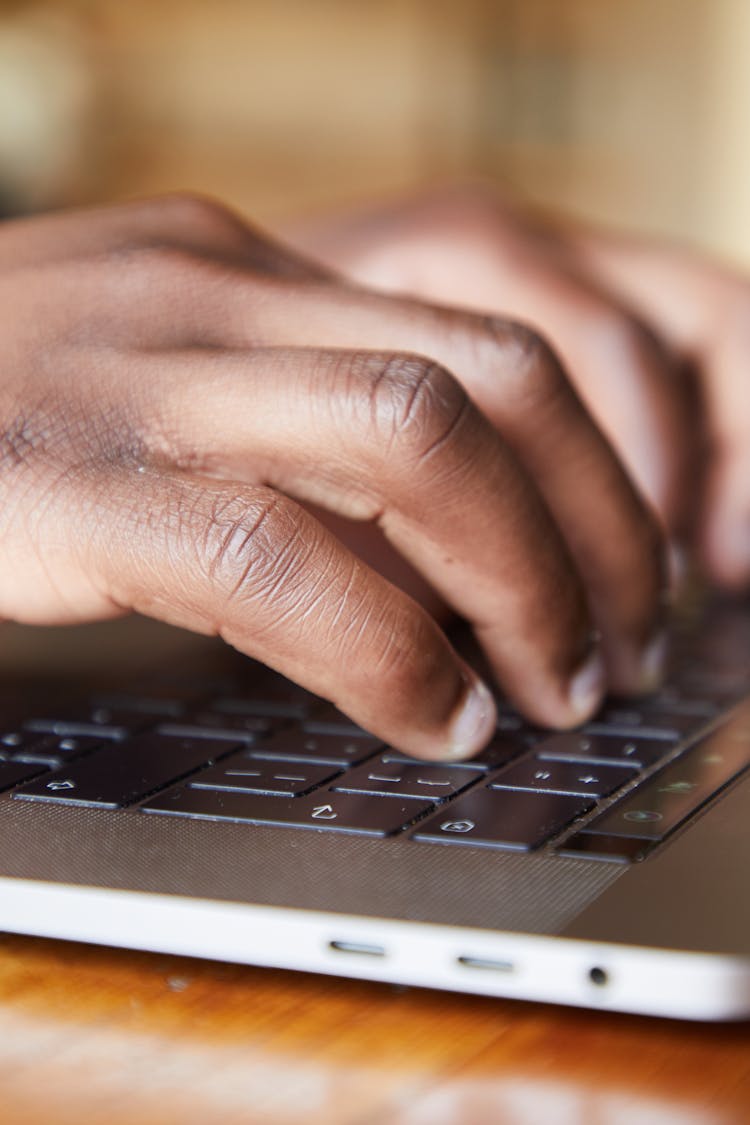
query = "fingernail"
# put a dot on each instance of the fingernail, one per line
(653, 662)
(587, 686)
(678, 568)
(475, 723)
(734, 549)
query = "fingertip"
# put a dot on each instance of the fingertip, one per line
(586, 688)
(728, 554)
(474, 721)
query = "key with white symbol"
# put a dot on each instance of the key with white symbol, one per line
(337, 812)
(398, 779)
(241, 773)
(562, 777)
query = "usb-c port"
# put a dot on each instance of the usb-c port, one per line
(487, 964)
(357, 947)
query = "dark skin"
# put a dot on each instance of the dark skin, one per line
(179, 397)
(656, 340)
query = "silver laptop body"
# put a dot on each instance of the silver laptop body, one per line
(635, 904)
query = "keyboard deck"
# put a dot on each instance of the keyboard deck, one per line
(264, 751)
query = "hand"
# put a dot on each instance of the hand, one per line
(173, 387)
(656, 340)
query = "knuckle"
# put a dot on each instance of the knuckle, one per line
(251, 549)
(626, 337)
(191, 211)
(22, 438)
(526, 365)
(469, 212)
(416, 405)
(152, 272)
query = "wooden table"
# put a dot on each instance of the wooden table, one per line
(91, 1035)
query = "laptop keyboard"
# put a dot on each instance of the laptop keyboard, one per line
(275, 755)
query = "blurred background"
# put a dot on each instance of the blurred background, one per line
(633, 113)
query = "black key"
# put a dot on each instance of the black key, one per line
(509, 721)
(120, 774)
(18, 739)
(274, 697)
(632, 723)
(15, 741)
(723, 690)
(14, 773)
(327, 719)
(161, 706)
(563, 777)
(664, 801)
(235, 728)
(238, 773)
(335, 812)
(603, 749)
(265, 684)
(295, 745)
(167, 698)
(102, 721)
(499, 818)
(671, 699)
(397, 779)
(504, 748)
(51, 751)
(615, 848)
(256, 726)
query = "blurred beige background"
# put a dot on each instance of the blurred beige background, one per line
(629, 111)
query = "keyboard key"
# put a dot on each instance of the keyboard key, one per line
(256, 726)
(563, 777)
(664, 801)
(333, 812)
(603, 749)
(14, 773)
(503, 749)
(273, 696)
(153, 704)
(234, 728)
(238, 773)
(83, 720)
(590, 845)
(51, 751)
(327, 719)
(672, 700)
(397, 779)
(15, 741)
(294, 745)
(120, 774)
(633, 722)
(500, 818)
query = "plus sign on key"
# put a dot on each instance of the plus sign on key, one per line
(562, 777)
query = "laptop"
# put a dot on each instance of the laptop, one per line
(161, 792)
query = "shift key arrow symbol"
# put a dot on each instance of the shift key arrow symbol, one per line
(324, 812)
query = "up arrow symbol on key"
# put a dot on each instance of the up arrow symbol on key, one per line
(324, 812)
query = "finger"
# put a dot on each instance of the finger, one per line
(704, 311)
(513, 377)
(250, 565)
(192, 223)
(469, 249)
(395, 439)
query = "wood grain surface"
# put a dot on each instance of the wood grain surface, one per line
(91, 1035)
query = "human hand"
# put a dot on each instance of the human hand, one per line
(174, 386)
(655, 339)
